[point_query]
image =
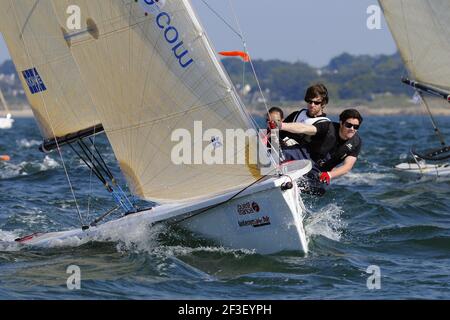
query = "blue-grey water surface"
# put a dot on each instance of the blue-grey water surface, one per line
(369, 217)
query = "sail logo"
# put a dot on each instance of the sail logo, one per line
(171, 35)
(213, 146)
(247, 208)
(34, 81)
(215, 141)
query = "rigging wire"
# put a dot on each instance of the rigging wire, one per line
(223, 19)
(244, 43)
(90, 191)
(433, 122)
(239, 33)
(91, 167)
(96, 167)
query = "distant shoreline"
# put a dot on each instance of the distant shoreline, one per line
(377, 108)
(365, 111)
(370, 111)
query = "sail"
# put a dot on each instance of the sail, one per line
(3, 102)
(49, 75)
(151, 73)
(421, 29)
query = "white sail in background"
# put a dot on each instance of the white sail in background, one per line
(3, 102)
(150, 70)
(7, 121)
(51, 80)
(421, 29)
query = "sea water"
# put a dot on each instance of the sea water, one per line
(371, 219)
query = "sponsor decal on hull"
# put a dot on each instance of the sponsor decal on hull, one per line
(251, 211)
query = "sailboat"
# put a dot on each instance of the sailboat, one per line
(421, 30)
(145, 73)
(7, 121)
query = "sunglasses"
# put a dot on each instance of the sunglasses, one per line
(317, 103)
(349, 125)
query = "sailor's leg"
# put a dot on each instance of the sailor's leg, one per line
(295, 153)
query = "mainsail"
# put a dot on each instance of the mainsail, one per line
(421, 30)
(49, 75)
(150, 71)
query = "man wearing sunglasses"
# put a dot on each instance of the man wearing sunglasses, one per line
(316, 97)
(331, 145)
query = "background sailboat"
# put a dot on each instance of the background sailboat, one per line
(421, 30)
(7, 121)
(141, 71)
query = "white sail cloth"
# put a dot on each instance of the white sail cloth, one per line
(151, 71)
(50, 77)
(421, 29)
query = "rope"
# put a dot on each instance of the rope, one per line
(223, 202)
(241, 36)
(103, 161)
(223, 20)
(119, 196)
(93, 169)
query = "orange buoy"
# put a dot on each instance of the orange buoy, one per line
(4, 157)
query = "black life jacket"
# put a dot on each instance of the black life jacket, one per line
(336, 154)
(320, 148)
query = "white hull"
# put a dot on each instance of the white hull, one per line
(6, 123)
(263, 218)
(424, 169)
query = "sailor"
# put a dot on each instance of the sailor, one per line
(275, 114)
(316, 97)
(333, 144)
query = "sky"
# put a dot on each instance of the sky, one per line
(312, 31)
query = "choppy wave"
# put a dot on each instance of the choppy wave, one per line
(184, 250)
(10, 170)
(26, 143)
(366, 178)
(326, 222)
(7, 242)
(368, 217)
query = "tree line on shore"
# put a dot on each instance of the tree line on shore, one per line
(346, 77)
